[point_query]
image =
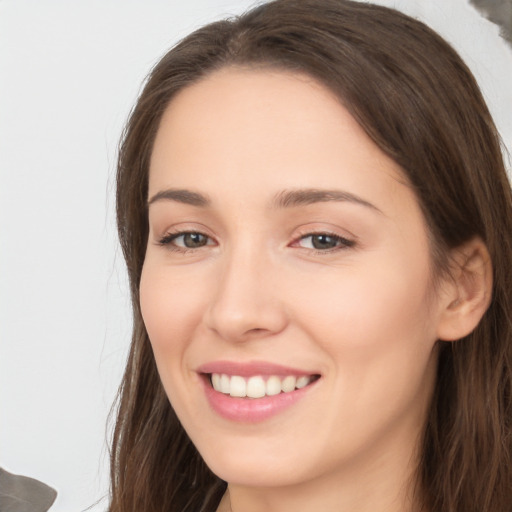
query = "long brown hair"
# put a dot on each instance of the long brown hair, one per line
(420, 104)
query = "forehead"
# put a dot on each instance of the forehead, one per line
(265, 130)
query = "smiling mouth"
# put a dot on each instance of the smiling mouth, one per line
(258, 386)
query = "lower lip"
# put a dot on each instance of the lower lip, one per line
(252, 410)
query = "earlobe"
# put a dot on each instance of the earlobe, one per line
(469, 290)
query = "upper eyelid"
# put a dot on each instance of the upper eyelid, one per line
(173, 235)
(345, 242)
(308, 231)
(178, 230)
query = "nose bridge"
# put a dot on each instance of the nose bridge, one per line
(245, 302)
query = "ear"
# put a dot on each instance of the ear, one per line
(468, 290)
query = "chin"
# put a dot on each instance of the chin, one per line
(262, 462)
(256, 473)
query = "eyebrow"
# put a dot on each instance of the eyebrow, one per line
(181, 196)
(300, 197)
(284, 199)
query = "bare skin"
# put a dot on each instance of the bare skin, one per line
(298, 242)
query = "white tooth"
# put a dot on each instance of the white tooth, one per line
(288, 384)
(273, 386)
(255, 387)
(224, 384)
(216, 381)
(302, 382)
(237, 386)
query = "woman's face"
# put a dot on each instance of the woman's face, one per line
(286, 250)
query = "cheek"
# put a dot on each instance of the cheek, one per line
(377, 330)
(377, 327)
(367, 303)
(171, 307)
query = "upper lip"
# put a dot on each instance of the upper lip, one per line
(250, 368)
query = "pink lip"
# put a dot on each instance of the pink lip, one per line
(250, 410)
(251, 368)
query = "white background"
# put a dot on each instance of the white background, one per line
(69, 73)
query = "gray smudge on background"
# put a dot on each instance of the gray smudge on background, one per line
(499, 12)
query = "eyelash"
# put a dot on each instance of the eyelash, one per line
(341, 242)
(168, 239)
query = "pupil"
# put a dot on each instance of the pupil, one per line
(324, 242)
(192, 240)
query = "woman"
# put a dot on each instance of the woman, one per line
(316, 220)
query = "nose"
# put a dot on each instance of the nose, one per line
(246, 302)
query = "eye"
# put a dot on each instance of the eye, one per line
(324, 242)
(186, 240)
